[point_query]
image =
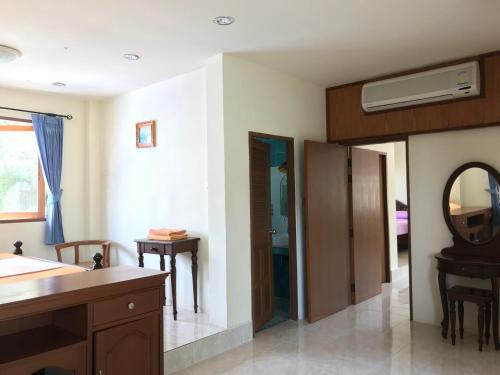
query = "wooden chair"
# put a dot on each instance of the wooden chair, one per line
(76, 245)
(483, 299)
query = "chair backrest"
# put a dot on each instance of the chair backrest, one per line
(76, 245)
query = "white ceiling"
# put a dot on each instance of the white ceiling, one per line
(326, 42)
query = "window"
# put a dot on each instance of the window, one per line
(22, 187)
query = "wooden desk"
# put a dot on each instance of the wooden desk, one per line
(474, 267)
(172, 248)
(84, 322)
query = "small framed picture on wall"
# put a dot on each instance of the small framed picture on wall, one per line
(145, 134)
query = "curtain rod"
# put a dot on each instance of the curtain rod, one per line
(69, 117)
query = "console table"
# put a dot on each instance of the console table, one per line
(474, 267)
(172, 248)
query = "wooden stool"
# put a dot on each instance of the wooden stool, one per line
(483, 299)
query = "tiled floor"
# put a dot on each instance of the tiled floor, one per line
(402, 257)
(375, 337)
(188, 327)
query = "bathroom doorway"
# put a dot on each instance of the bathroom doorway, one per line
(273, 246)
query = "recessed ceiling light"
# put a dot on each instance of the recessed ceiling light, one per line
(8, 54)
(131, 56)
(59, 84)
(224, 20)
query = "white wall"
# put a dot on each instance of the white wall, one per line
(75, 177)
(388, 149)
(400, 176)
(264, 100)
(165, 186)
(217, 261)
(433, 158)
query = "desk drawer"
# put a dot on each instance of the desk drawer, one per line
(126, 306)
(153, 248)
(466, 270)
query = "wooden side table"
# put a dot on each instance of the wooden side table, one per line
(172, 248)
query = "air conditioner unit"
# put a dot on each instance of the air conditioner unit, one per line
(435, 85)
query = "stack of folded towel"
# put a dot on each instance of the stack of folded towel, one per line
(165, 234)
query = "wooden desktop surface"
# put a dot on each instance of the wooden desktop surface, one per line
(65, 270)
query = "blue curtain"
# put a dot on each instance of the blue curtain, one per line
(495, 200)
(49, 137)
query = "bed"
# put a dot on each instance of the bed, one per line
(402, 224)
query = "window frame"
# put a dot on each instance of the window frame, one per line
(19, 217)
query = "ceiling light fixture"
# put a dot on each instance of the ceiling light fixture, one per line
(131, 56)
(59, 84)
(8, 54)
(224, 20)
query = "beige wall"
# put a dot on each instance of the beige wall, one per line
(76, 206)
(433, 158)
(473, 184)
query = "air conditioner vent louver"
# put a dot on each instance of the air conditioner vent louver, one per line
(424, 87)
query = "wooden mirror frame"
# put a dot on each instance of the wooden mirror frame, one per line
(490, 248)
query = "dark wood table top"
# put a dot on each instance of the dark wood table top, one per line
(189, 239)
(465, 259)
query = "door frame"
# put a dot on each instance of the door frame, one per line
(292, 241)
(404, 139)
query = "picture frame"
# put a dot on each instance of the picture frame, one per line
(145, 134)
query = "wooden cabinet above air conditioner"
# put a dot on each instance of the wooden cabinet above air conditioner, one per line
(347, 122)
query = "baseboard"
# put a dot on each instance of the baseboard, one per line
(190, 354)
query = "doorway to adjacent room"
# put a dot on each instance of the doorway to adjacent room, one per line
(273, 247)
(352, 227)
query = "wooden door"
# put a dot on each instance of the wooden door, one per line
(326, 215)
(261, 226)
(368, 224)
(129, 349)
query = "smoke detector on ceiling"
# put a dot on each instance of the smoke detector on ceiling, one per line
(8, 54)
(224, 20)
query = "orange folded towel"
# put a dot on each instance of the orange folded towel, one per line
(167, 232)
(155, 237)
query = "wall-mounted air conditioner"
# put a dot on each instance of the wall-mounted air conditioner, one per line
(435, 85)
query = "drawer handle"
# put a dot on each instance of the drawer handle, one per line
(131, 306)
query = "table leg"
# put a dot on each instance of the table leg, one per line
(194, 272)
(444, 303)
(141, 259)
(453, 317)
(480, 326)
(494, 289)
(162, 262)
(173, 281)
(487, 324)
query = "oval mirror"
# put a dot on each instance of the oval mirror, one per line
(472, 203)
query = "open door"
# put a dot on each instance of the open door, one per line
(261, 226)
(368, 224)
(326, 215)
